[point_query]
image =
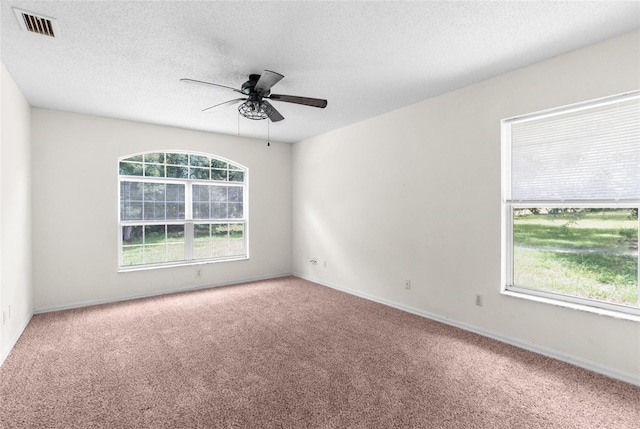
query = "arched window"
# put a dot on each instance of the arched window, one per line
(178, 208)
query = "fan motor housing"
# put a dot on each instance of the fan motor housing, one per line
(248, 86)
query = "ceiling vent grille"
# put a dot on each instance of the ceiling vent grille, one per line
(37, 23)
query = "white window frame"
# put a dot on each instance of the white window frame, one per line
(507, 285)
(188, 221)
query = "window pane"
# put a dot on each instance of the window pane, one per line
(155, 244)
(130, 201)
(199, 173)
(177, 158)
(130, 169)
(175, 252)
(175, 233)
(131, 235)
(152, 244)
(154, 234)
(154, 191)
(175, 243)
(199, 161)
(201, 210)
(131, 211)
(234, 211)
(218, 193)
(155, 253)
(234, 194)
(157, 158)
(219, 231)
(159, 210)
(200, 202)
(154, 201)
(200, 193)
(177, 172)
(175, 193)
(215, 163)
(202, 250)
(218, 210)
(202, 241)
(175, 201)
(153, 170)
(236, 176)
(236, 239)
(220, 242)
(175, 211)
(588, 253)
(218, 174)
(150, 212)
(132, 255)
(161, 201)
(201, 231)
(131, 191)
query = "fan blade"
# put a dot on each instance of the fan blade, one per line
(226, 103)
(267, 80)
(275, 116)
(313, 102)
(212, 84)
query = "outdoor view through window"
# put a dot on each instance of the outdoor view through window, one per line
(584, 252)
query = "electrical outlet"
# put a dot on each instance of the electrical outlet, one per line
(479, 300)
(407, 284)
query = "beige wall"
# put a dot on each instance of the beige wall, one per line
(15, 214)
(415, 194)
(75, 208)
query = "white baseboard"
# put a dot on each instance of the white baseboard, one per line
(150, 294)
(574, 360)
(5, 353)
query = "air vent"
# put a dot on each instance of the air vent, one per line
(37, 23)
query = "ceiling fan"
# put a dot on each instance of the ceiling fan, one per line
(256, 93)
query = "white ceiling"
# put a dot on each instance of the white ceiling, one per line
(124, 59)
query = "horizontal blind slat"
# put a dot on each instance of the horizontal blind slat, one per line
(592, 153)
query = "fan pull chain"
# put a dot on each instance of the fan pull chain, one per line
(268, 135)
(238, 123)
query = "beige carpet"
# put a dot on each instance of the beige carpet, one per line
(287, 353)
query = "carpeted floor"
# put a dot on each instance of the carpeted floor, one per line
(287, 353)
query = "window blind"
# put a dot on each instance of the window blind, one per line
(586, 153)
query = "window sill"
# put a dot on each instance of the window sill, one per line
(178, 264)
(573, 306)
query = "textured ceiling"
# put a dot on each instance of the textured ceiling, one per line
(124, 59)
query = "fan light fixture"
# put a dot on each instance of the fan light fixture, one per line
(255, 110)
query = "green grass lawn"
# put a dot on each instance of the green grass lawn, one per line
(592, 256)
(174, 251)
(156, 247)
